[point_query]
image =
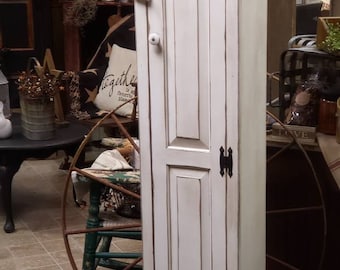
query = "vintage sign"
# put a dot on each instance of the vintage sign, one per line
(302, 133)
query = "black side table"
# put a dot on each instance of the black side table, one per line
(17, 148)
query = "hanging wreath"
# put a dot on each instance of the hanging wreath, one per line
(81, 12)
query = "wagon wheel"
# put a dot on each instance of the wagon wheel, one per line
(293, 214)
(65, 230)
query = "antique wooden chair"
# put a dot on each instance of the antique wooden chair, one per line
(99, 233)
(116, 48)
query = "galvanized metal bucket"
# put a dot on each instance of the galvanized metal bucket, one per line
(37, 117)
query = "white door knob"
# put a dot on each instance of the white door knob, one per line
(154, 39)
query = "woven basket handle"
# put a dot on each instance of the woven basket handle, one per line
(29, 64)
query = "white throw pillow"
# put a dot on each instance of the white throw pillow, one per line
(110, 160)
(117, 84)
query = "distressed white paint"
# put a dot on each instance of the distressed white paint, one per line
(187, 72)
(252, 132)
(191, 90)
(187, 236)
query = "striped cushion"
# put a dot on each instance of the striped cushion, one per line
(302, 41)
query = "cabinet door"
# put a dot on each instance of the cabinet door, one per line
(188, 84)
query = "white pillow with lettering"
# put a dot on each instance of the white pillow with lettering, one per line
(117, 85)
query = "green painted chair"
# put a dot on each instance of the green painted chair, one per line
(97, 243)
(98, 232)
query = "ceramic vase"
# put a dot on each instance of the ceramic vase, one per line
(5, 124)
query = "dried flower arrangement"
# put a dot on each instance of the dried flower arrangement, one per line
(81, 12)
(34, 86)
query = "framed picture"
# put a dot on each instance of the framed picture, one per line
(16, 32)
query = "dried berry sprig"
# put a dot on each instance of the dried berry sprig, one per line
(34, 86)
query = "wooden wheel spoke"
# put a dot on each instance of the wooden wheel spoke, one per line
(106, 228)
(298, 209)
(289, 266)
(319, 205)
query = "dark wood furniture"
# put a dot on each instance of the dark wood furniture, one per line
(74, 36)
(33, 34)
(17, 148)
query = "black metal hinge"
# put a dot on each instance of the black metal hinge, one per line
(226, 162)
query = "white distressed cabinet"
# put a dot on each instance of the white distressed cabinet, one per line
(201, 81)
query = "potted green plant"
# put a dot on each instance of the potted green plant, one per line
(331, 44)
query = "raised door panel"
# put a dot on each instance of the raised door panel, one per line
(189, 225)
(188, 73)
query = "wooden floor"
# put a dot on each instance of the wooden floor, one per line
(305, 233)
